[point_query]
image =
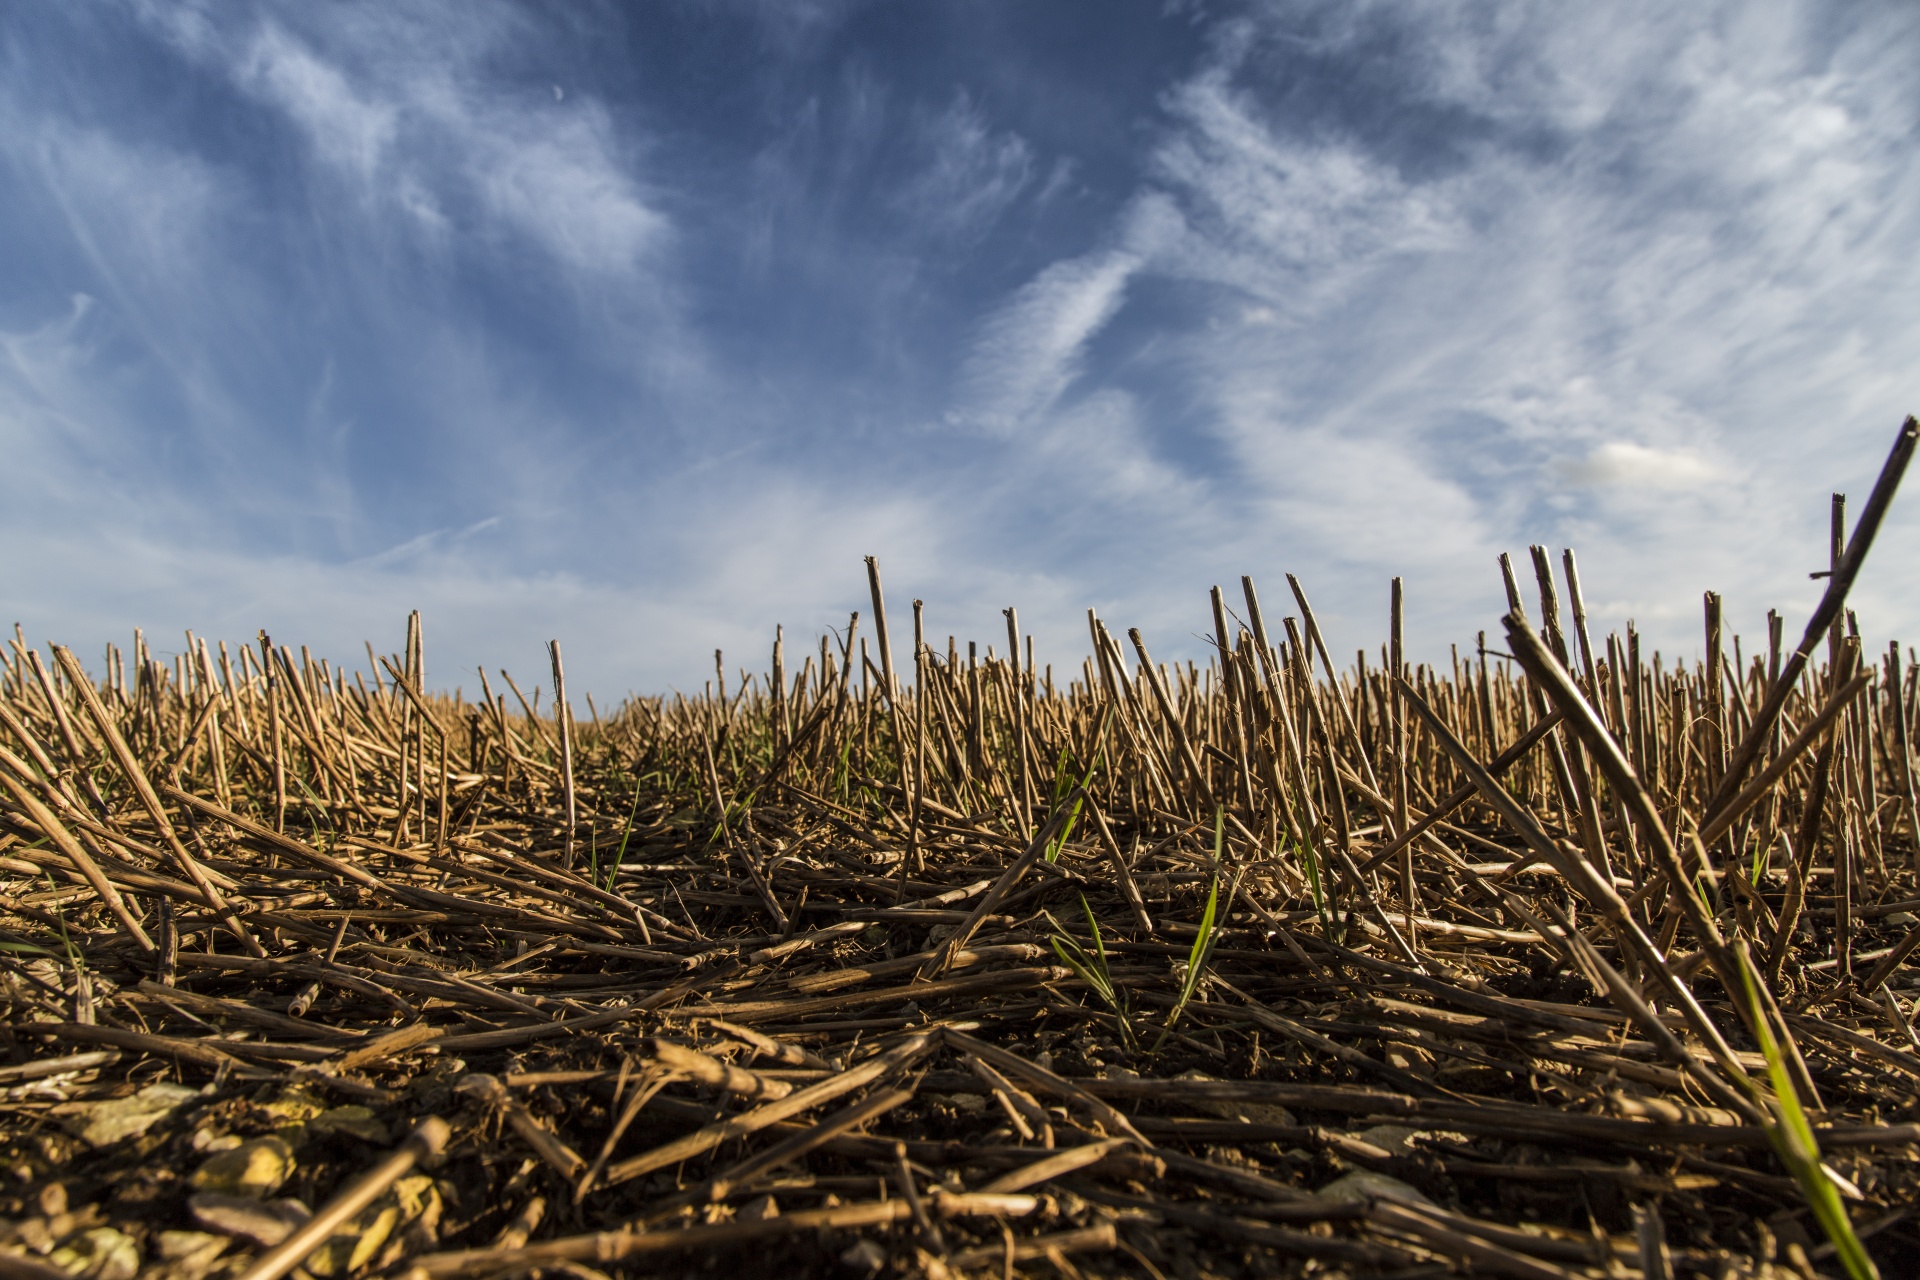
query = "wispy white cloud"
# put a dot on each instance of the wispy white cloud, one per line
(792, 28)
(559, 187)
(1030, 351)
(1296, 218)
(970, 176)
(350, 130)
(394, 104)
(1666, 239)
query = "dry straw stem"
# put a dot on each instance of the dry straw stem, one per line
(1479, 935)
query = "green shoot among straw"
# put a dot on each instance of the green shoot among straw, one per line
(1312, 864)
(1792, 1139)
(1062, 782)
(1093, 969)
(75, 959)
(1203, 941)
(633, 811)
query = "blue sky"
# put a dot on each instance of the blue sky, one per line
(638, 325)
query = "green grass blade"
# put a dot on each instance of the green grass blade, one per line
(1311, 862)
(1059, 842)
(1091, 969)
(1196, 962)
(1099, 946)
(1202, 945)
(1794, 1142)
(1075, 958)
(633, 811)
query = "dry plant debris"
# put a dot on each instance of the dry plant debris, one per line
(1557, 961)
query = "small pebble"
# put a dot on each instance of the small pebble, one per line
(253, 1169)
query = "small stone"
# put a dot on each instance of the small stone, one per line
(263, 1222)
(100, 1254)
(295, 1106)
(865, 1258)
(52, 1200)
(35, 1234)
(102, 1124)
(253, 1169)
(359, 1122)
(173, 1246)
(187, 1255)
(1364, 1185)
